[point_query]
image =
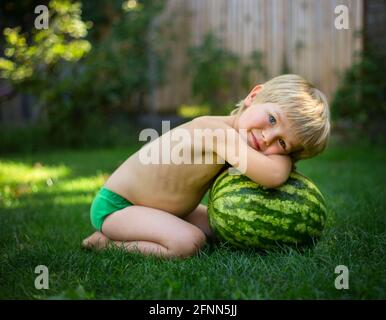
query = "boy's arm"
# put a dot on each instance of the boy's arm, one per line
(269, 171)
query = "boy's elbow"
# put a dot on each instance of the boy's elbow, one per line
(278, 173)
(276, 179)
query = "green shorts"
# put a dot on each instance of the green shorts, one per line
(106, 202)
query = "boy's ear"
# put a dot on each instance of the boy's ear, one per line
(252, 95)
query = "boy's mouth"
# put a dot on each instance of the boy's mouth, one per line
(256, 144)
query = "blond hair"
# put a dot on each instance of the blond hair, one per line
(305, 107)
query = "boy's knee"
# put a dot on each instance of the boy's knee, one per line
(189, 243)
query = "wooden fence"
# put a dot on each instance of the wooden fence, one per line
(300, 33)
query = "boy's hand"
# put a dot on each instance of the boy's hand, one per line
(269, 171)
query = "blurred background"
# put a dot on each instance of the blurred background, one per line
(103, 70)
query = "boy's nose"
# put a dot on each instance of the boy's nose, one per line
(266, 137)
(269, 136)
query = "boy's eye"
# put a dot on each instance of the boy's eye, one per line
(282, 143)
(272, 119)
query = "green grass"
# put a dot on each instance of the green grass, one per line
(44, 215)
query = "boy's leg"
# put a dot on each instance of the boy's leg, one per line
(99, 241)
(199, 218)
(153, 231)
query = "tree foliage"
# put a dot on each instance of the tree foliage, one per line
(28, 63)
(361, 95)
(80, 73)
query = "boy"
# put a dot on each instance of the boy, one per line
(154, 208)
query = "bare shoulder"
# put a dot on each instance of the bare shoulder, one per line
(212, 121)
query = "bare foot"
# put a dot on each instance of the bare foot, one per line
(96, 241)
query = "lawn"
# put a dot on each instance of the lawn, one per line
(44, 212)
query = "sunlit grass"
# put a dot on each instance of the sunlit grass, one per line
(82, 184)
(19, 180)
(18, 173)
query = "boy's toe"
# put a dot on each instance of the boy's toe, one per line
(97, 240)
(86, 244)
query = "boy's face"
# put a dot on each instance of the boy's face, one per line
(268, 129)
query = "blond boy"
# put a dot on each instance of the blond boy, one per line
(154, 208)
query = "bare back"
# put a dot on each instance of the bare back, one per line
(175, 188)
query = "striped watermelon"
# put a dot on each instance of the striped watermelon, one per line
(245, 214)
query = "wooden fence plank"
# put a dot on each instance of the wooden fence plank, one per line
(302, 32)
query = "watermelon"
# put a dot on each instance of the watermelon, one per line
(247, 215)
